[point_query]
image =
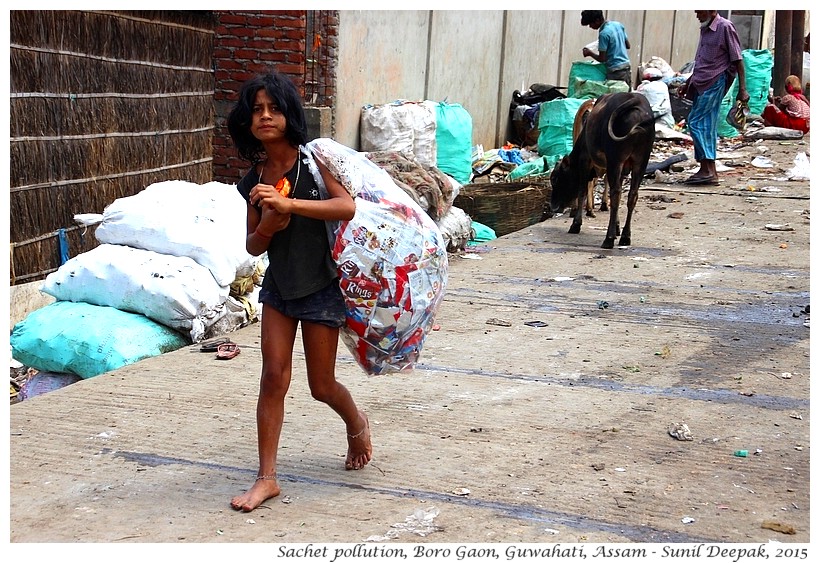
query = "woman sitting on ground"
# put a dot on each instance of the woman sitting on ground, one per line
(790, 111)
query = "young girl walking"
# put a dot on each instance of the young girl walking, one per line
(286, 218)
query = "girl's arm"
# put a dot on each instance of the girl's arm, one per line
(339, 207)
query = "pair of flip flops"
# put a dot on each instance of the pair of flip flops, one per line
(702, 181)
(225, 349)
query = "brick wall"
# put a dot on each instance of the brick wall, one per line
(299, 43)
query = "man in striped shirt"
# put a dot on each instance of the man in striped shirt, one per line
(717, 61)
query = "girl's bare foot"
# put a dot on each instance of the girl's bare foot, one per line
(359, 448)
(264, 488)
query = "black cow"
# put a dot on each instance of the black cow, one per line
(616, 139)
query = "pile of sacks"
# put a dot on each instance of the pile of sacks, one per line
(171, 269)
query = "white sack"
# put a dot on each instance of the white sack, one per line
(204, 222)
(406, 127)
(174, 291)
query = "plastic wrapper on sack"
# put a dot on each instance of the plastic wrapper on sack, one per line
(392, 262)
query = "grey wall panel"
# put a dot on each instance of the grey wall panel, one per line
(465, 65)
(382, 58)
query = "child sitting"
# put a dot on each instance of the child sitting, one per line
(790, 111)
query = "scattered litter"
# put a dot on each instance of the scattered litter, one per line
(687, 520)
(785, 375)
(796, 415)
(498, 322)
(603, 304)
(286, 500)
(536, 324)
(551, 531)
(461, 491)
(620, 469)
(676, 215)
(665, 352)
(762, 162)
(741, 453)
(770, 189)
(471, 256)
(419, 523)
(774, 227)
(801, 170)
(561, 278)
(680, 431)
(778, 527)
(250, 521)
(758, 451)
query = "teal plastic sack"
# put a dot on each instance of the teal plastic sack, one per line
(532, 167)
(481, 233)
(758, 64)
(555, 119)
(592, 89)
(454, 141)
(88, 340)
(584, 70)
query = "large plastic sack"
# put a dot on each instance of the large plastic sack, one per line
(758, 64)
(172, 290)
(402, 126)
(584, 70)
(657, 93)
(454, 140)
(88, 340)
(204, 222)
(593, 89)
(392, 263)
(555, 127)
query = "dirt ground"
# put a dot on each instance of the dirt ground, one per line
(540, 412)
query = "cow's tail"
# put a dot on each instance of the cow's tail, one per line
(647, 124)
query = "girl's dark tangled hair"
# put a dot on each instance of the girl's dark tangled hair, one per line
(284, 94)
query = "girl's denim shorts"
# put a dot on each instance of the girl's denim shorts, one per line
(325, 306)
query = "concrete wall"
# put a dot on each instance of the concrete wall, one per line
(477, 58)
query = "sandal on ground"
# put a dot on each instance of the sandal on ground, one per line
(701, 181)
(213, 345)
(227, 351)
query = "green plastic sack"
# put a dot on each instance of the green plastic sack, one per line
(536, 166)
(481, 233)
(555, 119)
(758, 64)
(592, 89)
(584, 70)
(88, 340)
(454, 141)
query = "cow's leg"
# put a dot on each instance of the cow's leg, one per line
(605, 195)
(613, 176)
(578, 217)
(635, 183)
(590, 206)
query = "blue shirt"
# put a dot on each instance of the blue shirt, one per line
(612, 39)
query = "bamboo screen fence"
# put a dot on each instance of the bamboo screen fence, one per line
(102, 105)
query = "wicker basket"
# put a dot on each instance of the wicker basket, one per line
(505, 207)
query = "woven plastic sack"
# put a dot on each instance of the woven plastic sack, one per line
(758, 64)
(584, 70)
(454, 140)
(172, 290)
(402, 126)
(88, 340)
(392, 262)
(593, 89)
(204, 222)
(555, 127)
